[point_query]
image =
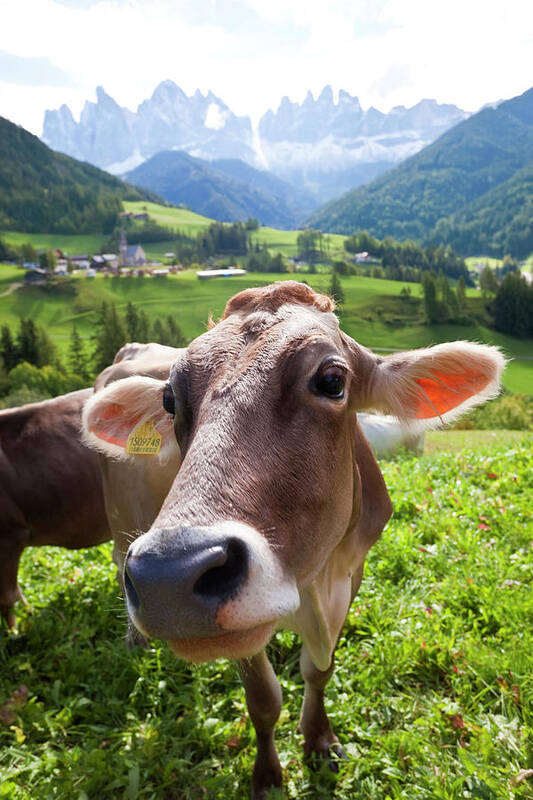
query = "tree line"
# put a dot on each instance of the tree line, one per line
(29, 359)
(408, 260)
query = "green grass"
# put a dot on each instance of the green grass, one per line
(453, 441)
(519, 377)
(70, 244)
(9, 274)
(179, 219)
(431, 696)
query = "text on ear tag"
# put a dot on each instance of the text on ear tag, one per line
(145, 440)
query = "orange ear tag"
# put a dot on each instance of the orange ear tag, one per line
(145, 440)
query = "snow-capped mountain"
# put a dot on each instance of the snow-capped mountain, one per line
(118, 139)
(330, 147)
(319, 145)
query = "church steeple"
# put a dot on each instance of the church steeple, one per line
(123, 248)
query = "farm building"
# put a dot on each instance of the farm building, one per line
(229, 272)
(35, 276)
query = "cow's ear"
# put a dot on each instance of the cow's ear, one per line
(127, 420)
(434, 385)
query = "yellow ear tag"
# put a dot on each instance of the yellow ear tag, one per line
(145, 440)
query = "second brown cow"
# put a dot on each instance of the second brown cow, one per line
(50, 486)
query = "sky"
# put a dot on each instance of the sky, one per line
(252, 52)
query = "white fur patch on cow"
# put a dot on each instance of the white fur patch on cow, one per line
(268, 594)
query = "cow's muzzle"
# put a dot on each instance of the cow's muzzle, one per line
(175, 590)
(193, 583)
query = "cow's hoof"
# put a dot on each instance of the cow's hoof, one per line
(330, 754)
(335, 754)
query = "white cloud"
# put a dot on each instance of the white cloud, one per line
(251, 52)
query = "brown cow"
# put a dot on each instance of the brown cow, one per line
(278, 498)
(50, 486)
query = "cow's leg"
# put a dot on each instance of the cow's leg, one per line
(318, 734)
(263, 698)
(10, 591)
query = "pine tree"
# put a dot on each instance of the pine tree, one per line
(449, 301)
(513, 306)
(461, 294)
(77, 358)
(335, 289)
(46, 349)
(431, 305)
(8, 349)
(109, 337)
(278, 264)
(487, 282)
(160, 334)
(132, 323)
(27, 342)
(144, 327)
(175, 334)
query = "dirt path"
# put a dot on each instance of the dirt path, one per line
(12, 288)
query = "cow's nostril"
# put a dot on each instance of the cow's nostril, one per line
(223, 580)
(131, 593)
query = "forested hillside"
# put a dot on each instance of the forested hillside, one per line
(463, 190)
(44, 191)
(498, 222)
(225, 189)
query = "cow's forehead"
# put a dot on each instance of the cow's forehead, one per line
(262, 339)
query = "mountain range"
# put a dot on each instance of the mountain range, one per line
(471, 188)
(321, 146)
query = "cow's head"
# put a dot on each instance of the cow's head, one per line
(278, 497)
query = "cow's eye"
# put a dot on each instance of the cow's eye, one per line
(168, 399)
(330, 381)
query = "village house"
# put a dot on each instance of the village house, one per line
(61, 268)
(105, 260)
(36, 276)
(80, 261)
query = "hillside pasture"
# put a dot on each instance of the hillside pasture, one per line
(178, 219)
(189, 223)
(71, 244)
(432, 695)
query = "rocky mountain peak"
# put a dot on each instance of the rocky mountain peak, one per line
(320, 144)
(325, 98)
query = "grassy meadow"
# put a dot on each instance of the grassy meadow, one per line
(432, 696)
(72, 244)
